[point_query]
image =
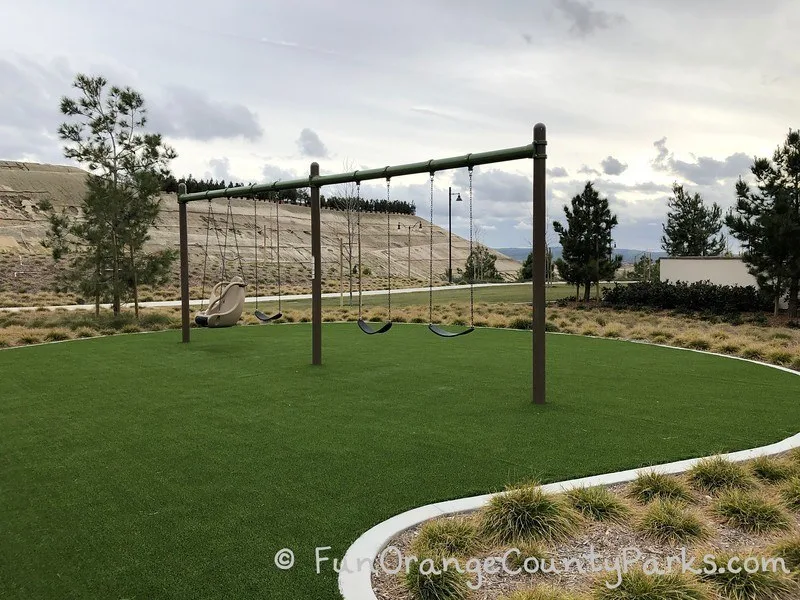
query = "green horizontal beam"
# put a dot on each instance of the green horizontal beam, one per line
(535, 150)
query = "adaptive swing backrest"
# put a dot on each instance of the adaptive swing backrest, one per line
(232, 297)
(229, 307)
(213, 300)
(219, 293)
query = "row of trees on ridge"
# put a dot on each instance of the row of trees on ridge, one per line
(299, 197)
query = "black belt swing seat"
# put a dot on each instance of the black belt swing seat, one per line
(362, 324)
(434, 327)
(261, 316)
(448, 334)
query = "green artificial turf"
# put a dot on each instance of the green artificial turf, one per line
(492, 295)
(136, 467)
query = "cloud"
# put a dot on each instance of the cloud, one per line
(612, 166)
(30, 115)
(433, 112)
(585, 19)
(704, 170)
(297, 46)
(557, 172)
(640, 187)
(588, 170)
(30, 146)
(623, 88)
(280, 43)
(29, 108)
(275, 173)
(184, 112)
(310, 145)
(632, 202)
(221, 169)
(502, 200)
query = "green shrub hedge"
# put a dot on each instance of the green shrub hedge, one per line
(698, 296)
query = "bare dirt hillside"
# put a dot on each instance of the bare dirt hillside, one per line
(25, 266)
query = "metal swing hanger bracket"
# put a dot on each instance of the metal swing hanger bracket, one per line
(534, 150)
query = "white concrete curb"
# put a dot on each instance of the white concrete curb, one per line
(355, 577)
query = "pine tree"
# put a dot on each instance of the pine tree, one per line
(692, 228)
(104, 132)
(646, 268)
(526, 271)
(768, 222)
(586, 241)
(480, 265)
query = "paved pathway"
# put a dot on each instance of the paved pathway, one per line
(285, 298)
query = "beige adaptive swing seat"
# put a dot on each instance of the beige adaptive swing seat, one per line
(225, 305)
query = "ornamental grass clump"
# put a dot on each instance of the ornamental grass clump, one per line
(748, 580)
(751, 512)
(649, 486)
(718, 474)
(637, 585)
(527, 513)
(456, 537)
(670, 522)
(598, 504)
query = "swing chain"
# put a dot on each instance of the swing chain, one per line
(205, 255)
(358, 232)
(389, 244)
(277, 200)
(472, 277)
(236, 240)
(225, 245)
(255, 243)
(430, 264)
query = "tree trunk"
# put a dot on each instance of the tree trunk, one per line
(350, 274)
(97, 291)
(115, 275)
(794, 289)
(577, 291)
(587, 291)
(135, 286)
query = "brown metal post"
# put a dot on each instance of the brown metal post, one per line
(316, 282)
(539, 262)
(183, 227)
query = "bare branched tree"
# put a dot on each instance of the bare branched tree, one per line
(348, 195)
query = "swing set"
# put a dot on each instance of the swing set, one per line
(315, 181)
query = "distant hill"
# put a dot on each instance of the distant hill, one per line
(519, 254)
(628, 255)
(23, 226)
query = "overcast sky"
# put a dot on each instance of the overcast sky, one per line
(635, 94)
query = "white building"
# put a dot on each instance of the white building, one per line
(720, 270)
